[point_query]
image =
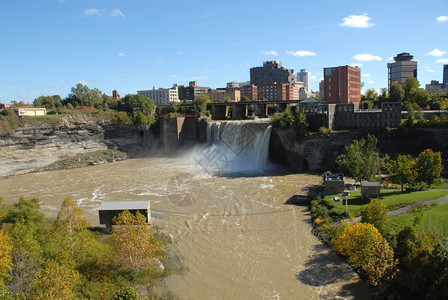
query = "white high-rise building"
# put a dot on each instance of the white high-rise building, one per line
(162, 96)
(305, 77)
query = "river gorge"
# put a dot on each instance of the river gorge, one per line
(235, 236)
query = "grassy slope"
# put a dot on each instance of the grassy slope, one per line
(393, 198)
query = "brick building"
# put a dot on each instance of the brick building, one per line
(191, 91)
(342, 85)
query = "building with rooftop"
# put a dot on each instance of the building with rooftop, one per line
(435, 87)
(270, 73)
(342, 85)
(445, 77)
(161, 95)
(305, 77)
(403, 68)
(109, 210)
(191, 91)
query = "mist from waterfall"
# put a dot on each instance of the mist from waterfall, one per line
(235, 147)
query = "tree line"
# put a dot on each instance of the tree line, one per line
(67, 260)
(409, 94)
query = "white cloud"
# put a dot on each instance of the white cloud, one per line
(86, 82)
(301, 53)
(442, 19)
(357, 21)
(391, 58)
(436, 52)
(173, 76)
(1, 96)
(116, 13)
(63, 82)
(247, 63)
(359, 65)
(443, 60)
(272, 52)
(366, 75)
(121, 54)
(313, 77)
(180, 53)
(367, 57)
(92, 11)
(429, 70)
(103, 12)
(12, 83)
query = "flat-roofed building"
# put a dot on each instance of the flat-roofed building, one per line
(342, 85)
(221, 95)
(250, 91)
(161, 95)
(31, 111)
(271, 72)
(435, 87)
(109, 210)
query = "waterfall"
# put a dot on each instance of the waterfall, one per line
(236, 146)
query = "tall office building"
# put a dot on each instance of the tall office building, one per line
(403, 68)
(342, 85)
(445, 77)
(305, 77)
(270, 73)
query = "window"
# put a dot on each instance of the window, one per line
(328, 72)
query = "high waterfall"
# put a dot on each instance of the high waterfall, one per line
(235, 147)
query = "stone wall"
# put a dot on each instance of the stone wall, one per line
(319, 151)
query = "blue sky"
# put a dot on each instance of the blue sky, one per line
(48, 46)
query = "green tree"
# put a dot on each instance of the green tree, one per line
(26, 212)
(402, 170)
(245, 99)
(396, 93)
(81, 95)
(410, 86)
(200, 105)
(365, 248)
(134, 243)
(371, 95)
(25, 258)
(384, 95)
(429, 166)
(375, 213)
(140, 109)
(361, 159)
(126, 293)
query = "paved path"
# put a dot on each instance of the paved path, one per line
(408, 208)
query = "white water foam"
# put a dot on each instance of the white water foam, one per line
(234, 147)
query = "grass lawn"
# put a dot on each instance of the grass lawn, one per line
(433, 217)
(393, 198)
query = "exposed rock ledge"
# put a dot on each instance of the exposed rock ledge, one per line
(38, 145)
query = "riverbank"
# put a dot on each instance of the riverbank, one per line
(76, 161)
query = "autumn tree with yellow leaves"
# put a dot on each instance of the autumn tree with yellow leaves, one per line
(367, 250)
(135, 244)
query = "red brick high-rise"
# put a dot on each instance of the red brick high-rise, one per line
(342, 85)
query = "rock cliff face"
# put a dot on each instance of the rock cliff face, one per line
(318, 151)
(38, 145)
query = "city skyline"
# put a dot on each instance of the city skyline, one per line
(49, 46)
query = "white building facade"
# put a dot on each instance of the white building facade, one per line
(161, 95)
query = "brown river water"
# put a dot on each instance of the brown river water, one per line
(234, 234)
